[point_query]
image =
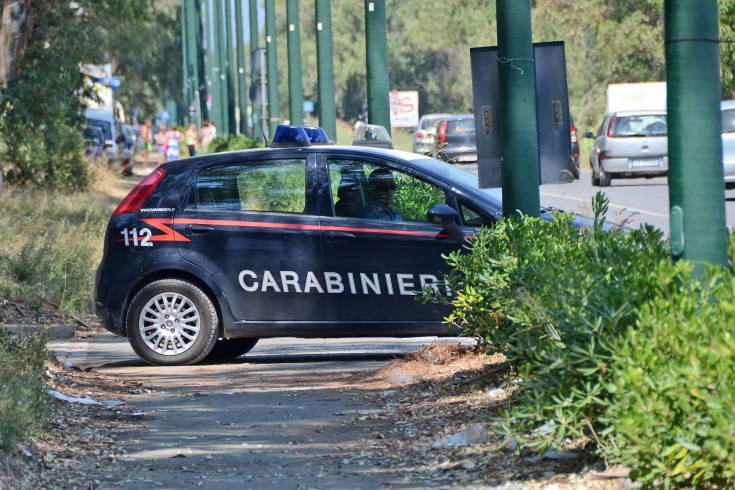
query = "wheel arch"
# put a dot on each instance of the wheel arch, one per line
(209, 287)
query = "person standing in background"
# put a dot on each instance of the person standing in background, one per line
(146, 135)
(173, 140)
(161, 140)
(209, 132)
(192, 139)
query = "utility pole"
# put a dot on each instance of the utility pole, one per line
(376, 47)
(326, 110)
(213, 80)
(696, 183)
(517, 75)
(293, 38)
(222, 123)
(254, 46)
(274, 103)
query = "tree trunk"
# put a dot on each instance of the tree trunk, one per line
(14, 15)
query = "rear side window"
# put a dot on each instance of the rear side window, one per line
(728, 121)
(273, 186)
(639, 125)
(461, 126)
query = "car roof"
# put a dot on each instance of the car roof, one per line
(638, 113)
(453, 117)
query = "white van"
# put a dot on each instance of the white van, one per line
(110, 127)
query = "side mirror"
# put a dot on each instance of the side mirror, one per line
(446, 216)
(588, 135)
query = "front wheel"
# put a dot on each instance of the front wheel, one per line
(231, 348)
(172, 322)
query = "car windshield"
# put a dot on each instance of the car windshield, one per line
(728, 121)
(639, 125)
(461, 126)
(104, 125)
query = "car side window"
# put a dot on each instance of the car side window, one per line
(473, 217)
(353, 194)
(273, 185)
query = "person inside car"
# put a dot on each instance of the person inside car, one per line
(382, 188)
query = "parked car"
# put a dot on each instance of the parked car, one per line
(728, 142)
(575, 148)
(423, 136)
(94, 143)
(629, 145)
(454, 140)
(208, 254)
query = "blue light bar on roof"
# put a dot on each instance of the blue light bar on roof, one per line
(299, 136)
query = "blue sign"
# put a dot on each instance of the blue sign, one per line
(308, 106)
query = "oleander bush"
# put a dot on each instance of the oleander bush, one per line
(672, 412)
(557, 299)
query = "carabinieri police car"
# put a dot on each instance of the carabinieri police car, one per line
(302, 239)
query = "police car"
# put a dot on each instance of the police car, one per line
(302, 239)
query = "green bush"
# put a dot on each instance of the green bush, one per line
(23, 403)
(232, 142)
(673, 410)
(556, 299)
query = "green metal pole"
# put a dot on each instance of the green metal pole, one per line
(230, 59)
(326, 109)
(213, 80)
(376, 50)
(191, 44)
(274, 103)
(220, 40)
(199, 89)
(254, 45)
(293, 38)
(696, 183)
(242, 80)
(185, 41)
(520, 165)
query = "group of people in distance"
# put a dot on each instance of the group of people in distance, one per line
(169, 141)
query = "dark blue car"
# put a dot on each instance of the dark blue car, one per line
(207, 255)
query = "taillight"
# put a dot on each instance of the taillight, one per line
(419, 134)
(443, 132)
(611, 126)
(135, 199)
(604, 155)
(573, 133)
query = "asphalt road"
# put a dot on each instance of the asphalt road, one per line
(632, 201)
(284, 416)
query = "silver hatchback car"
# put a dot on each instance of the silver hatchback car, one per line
(728, 142)
(629, 145)
(423, 136)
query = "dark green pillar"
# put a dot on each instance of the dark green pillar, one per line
(293, 38)
(242, 80)
(221, 120)
(199, 89)
(254, 45)
(696, 184)
(230, 54)
(274, 103)
(376, 47)
(326, 109)
(213, 79)
(520, 165)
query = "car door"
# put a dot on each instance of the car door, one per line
(375, 268)
(253, 226)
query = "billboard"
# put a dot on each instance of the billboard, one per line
(404, 108)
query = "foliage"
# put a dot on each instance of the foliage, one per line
(233, 142)
(556, 300)
(23, 403)
(54, 250)
(673, 410)
(413, 197)
(39, 108)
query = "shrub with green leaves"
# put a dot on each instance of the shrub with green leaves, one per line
(232, 142)
(673, 409)
(23, 406)
(556, 299)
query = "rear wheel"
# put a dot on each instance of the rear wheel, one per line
(605, 178)
(231, 348)
(172, 322)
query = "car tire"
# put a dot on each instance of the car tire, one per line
(172, 322)
(231, 348)
(575, 170)
(605, 178)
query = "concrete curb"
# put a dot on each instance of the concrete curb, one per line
(52, 332)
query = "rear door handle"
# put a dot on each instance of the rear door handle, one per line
(339, 236)
(198, 229)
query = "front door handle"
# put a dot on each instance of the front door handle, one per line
(198, 229)
(339, 236)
